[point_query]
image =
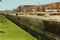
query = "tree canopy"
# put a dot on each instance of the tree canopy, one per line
(0, 0)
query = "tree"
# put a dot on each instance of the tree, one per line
(0, 0)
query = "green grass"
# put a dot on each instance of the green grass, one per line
(10, 31)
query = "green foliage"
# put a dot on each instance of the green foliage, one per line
(0, 0)
(7, 10)
(52, 26)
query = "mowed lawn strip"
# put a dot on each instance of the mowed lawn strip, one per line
(10, 31)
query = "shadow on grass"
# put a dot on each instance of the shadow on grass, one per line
(2, 32)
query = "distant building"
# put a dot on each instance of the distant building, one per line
(47, 9)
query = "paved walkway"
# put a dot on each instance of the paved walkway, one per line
(48, 18)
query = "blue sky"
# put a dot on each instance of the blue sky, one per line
(11, 4)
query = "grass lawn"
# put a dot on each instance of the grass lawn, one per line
(10, 31)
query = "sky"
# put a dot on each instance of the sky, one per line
(13, 4)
